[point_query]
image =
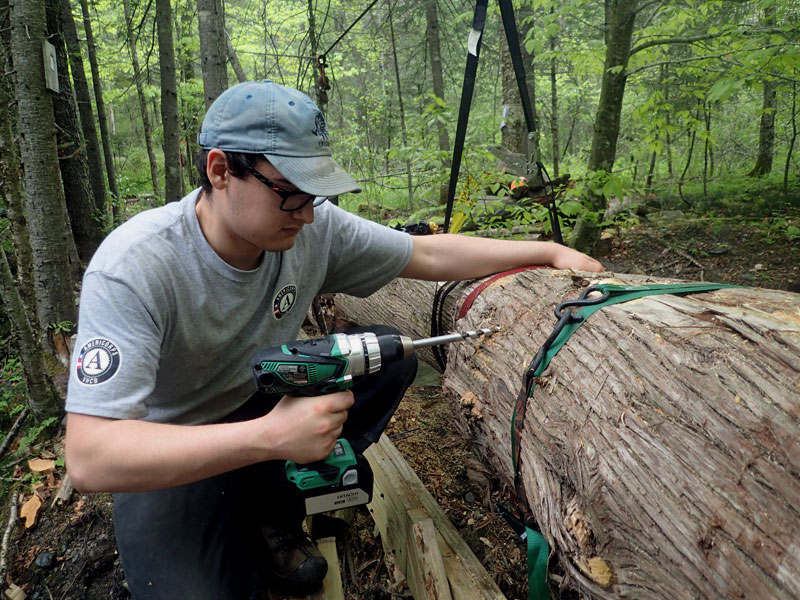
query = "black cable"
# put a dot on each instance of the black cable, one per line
(437, 320)
(552, 209)
(339, 39)
(436, 325)
(467, 89)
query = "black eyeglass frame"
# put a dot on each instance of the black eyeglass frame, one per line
(286, 195)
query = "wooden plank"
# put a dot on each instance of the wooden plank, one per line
(390, 507)
(398, 501)
(332, 585)
(427, 578)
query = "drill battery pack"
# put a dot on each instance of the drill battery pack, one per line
(342, 480)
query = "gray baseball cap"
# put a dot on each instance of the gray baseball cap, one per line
(263, 117)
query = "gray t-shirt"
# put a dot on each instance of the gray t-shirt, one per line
(167, 329)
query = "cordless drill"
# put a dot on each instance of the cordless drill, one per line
(323, 366)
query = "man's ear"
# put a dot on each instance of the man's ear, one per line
(217, 168)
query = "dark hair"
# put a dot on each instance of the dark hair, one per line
(237, 165)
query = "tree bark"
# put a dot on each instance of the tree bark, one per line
(169, 103)
(10, 174)
(648, 186)
(766, 132)
(515, 130)
(792, 140)
(692, 138)
(554, 101)
(105, 137)
(708, 162)
(73, 162)
(619, 34)
(137, 76)
(241, 76)
(185, 71)
(213, 49)
(42, 397)
(84, 102)
(45, 206)
(612, 89)
(661, 447)
(320, 89)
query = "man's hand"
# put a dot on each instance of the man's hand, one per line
(118, 455)
(565, 257)
(305, 429)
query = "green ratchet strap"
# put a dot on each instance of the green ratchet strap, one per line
(570, 315)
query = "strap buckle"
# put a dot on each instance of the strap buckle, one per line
(582, 300)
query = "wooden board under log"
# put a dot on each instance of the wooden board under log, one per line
(661, 449)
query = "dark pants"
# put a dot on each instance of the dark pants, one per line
(200, 540)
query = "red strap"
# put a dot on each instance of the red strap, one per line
(486, 283)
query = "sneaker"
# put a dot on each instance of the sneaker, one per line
(294, 563)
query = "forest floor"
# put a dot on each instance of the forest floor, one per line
(69, 553)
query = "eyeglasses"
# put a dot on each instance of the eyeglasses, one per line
(290, 201)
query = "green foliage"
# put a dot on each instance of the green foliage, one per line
(62, 327)
(740, 196)
(12, 390)
(670, 86)
(33, 433)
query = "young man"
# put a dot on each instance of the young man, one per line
(162, 404)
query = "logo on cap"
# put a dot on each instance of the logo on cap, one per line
(320, 130)
(98, 361)
(284, 301)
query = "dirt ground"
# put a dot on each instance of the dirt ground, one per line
(70, 553)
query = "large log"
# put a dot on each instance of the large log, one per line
(661, 447)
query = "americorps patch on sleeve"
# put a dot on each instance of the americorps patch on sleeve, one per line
(98, 361)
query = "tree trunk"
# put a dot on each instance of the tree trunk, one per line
(84, 101)
(612, 90)
(320, 90)
(86, 228)
(213, 49)
(137, 76)
(792, 140)
(648, 186)
(42, 396)
(45, 206)
(402, 109)
(766, 132)
(667, 88)
(692, 138)
(185, 72)
(11, 190)
(241, 76)
(554, 101)
(660, 447)
(105, 137)
(621, 15)
(437, 76)
(515, 130)
(707, 156)
(169, 103)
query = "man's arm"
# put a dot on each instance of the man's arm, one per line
(120, 455)
(455, 257)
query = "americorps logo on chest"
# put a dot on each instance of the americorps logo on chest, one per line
(284, 301)
(98, 361)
